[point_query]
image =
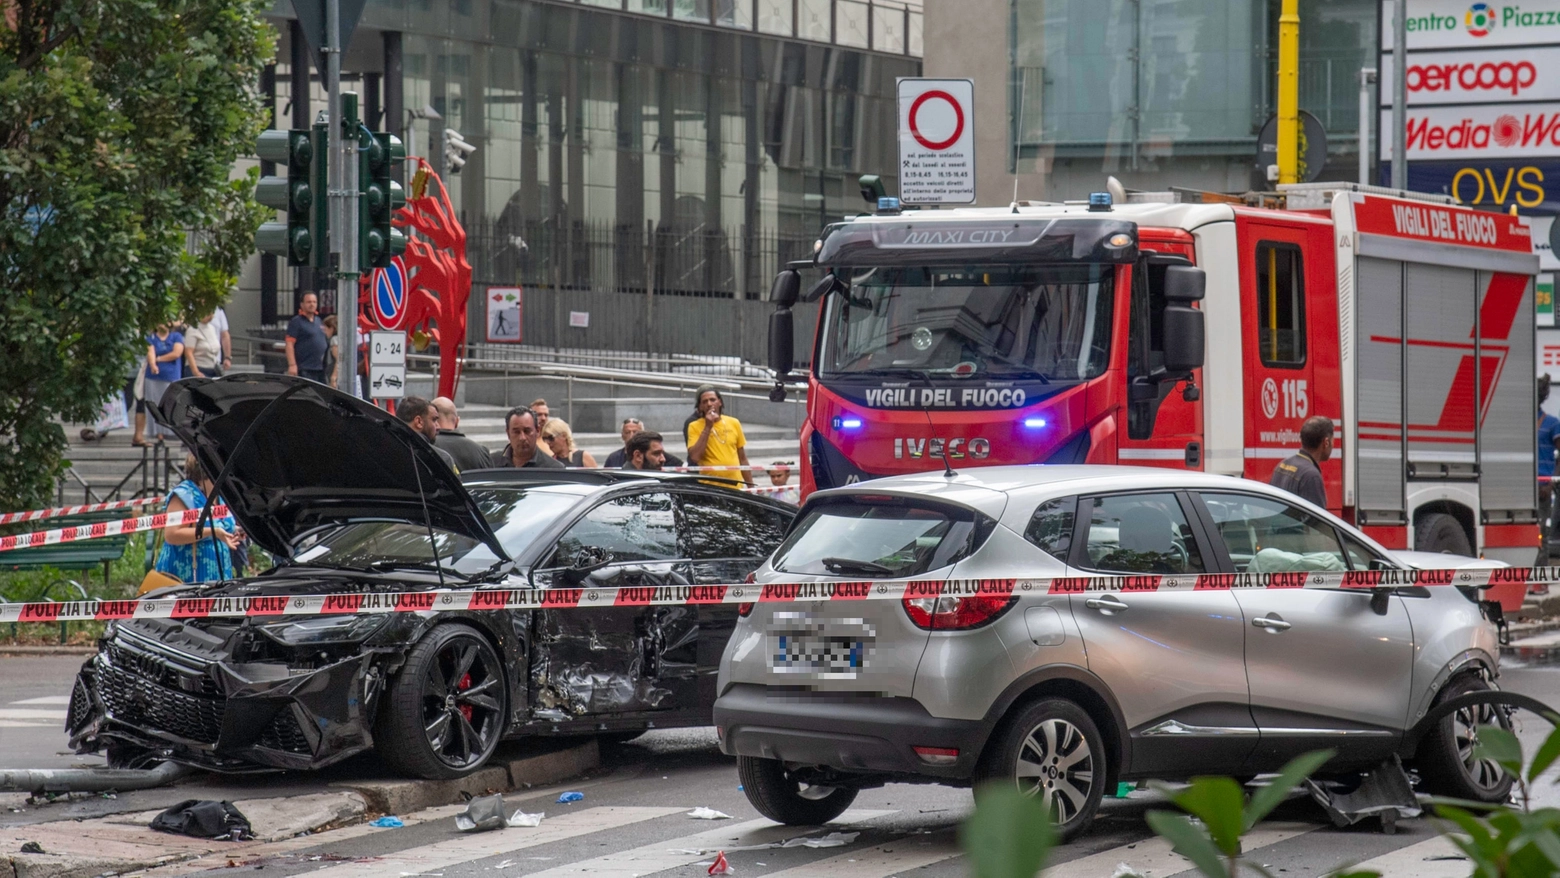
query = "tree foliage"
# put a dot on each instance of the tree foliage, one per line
(120, 121)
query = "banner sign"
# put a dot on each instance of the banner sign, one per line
(1530, 73)
(1490, 131)
(1530, 184)
(1458, 24)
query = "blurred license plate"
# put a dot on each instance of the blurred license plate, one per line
(839, 648)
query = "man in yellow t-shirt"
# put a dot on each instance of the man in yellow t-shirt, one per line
(715, 439)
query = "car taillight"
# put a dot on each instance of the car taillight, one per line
(746, 609)
(955, 613)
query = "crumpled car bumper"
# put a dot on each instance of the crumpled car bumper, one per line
(222, 715)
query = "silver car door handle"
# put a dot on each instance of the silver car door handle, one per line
(1270, 623)
(1108, 604)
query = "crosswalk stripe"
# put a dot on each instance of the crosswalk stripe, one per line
(676, 852)
(61, 700)
(1154, 859)
(1432, 858)
(876, 862)
(30, 713)
(486, 844)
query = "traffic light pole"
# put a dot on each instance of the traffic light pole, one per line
(343, 200)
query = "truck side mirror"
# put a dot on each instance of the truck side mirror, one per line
(1184, 283)
(786, 289)
(1183, 326)
(782, 332)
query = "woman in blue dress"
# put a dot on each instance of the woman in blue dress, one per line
(181, 556)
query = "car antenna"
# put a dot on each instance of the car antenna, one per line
(433, 544)
(931, 428)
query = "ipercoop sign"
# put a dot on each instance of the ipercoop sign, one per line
(1471, 77)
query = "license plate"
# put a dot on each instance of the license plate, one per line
(823, 648)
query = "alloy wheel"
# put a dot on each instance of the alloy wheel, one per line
(1486, 774)
(462, 702)
(1056, 763)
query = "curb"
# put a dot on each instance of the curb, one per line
(406, 796)
(371, 798)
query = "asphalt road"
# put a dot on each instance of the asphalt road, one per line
(633, 820)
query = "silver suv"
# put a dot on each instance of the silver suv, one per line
(1067, 695)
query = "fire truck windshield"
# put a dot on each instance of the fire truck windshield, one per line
(1045, 323)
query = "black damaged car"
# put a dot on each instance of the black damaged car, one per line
(355, 502)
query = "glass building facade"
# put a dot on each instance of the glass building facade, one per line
(686, 146)
(1175, 92)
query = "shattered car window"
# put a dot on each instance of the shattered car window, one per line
(641, 527)
(517, 516)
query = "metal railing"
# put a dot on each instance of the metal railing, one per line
(153, 475)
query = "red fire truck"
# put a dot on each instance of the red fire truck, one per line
(1074, 333)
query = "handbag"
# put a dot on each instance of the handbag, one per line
(154, 578)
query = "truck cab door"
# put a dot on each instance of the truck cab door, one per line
(1284, 336)
(1163, 427)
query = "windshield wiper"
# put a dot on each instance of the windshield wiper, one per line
(853, 565)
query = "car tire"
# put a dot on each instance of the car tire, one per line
(444, 713)
(776, 794)
(1445, 758)
(1052, 748)
(1439, 532)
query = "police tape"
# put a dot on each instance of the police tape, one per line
(61, 511)
(104, 529)
(502, 598)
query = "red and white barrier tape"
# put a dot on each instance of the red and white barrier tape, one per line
(524, 598)
(59, 511)
(104, 529)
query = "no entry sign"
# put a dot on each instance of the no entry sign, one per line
(936, 141)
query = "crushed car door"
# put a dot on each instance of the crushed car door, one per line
(608, 660)
(728, 537)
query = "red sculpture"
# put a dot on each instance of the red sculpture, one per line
(425, 291)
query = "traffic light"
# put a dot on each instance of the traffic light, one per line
(455, 150)
(381, 197)
(302, 194)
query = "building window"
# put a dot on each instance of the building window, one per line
(1280, 305)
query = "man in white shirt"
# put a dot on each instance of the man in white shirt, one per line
(220, 321)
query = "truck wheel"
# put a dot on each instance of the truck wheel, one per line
(774, 793)
(1445, 758)
(444, 713)
(1439, 532)
(1053, 750)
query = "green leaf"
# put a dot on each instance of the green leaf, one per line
(1189, 842)
(1547, 753)
(1298, 769)
(1501, 746)
(1548, 843)
(1478, 833)
(1009, 835)
(1218, 802)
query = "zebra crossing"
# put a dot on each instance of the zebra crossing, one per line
(641, 841)
(48, 710)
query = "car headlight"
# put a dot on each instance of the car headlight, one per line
(324, 629)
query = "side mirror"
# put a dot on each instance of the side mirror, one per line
(1184, 283)
(787, 287)
(1183, 338)
(782, 333)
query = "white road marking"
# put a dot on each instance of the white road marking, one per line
(17, 724)
(1154, 859)
(61, 700)
(486, 844)
(30, 713)
(1431, 858)
(887, 858)
(677, 852)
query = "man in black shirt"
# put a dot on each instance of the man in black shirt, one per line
(645, 451)
(1301, 474)
(520, 425)
(619, 458)
(468, 454)
(423, 418)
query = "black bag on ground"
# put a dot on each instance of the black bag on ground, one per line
(203, 818)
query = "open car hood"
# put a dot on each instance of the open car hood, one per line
(314, 456)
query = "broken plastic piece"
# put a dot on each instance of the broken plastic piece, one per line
(520, 818)
(702, 813)
(32, 847)
(832, 840)
(1384, 793)
(482, 814)
(388, 822)
(571, 797)
(720, 866)
(1124, 870)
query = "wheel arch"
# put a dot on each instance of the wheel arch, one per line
(1473, 662)
(1079, 686)
(511, 652)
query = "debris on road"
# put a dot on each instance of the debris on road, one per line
(702, 813)
(32, 847)
(720, 866)
(389, 823)
(520, 818)
(204, 818)
(482, 814)
(832, 840)
(571, 796)
(1384, 793)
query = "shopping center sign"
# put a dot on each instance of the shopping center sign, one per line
(1457, 24)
